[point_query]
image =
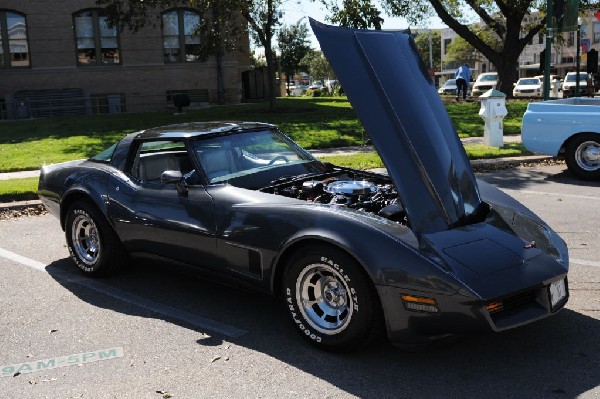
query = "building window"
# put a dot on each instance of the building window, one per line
(97, 43)
(596, 27)
(541, 38)
(14, 51)
(571, 39)
(181, 42)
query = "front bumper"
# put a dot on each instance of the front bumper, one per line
(459, 314)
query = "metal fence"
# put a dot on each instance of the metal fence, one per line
(52, 103)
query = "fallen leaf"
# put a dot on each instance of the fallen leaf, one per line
(214, 359)
(53, 330)
(16, 374)
(168, 395)
(32, 382)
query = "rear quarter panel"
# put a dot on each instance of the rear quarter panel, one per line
(548, 125)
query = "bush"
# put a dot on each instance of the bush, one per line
(313, 93)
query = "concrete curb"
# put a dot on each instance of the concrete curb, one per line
(19, 205)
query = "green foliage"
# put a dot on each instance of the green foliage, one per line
(294, 45)
(422, 43)
(358, 14)
(313, 93)
(314, 122)
(317, 65)
(18, 189)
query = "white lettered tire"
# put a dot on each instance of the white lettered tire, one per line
(330, 299)
(92, 243)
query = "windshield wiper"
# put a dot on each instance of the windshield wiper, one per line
(287, 178)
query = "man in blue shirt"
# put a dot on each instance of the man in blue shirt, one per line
(463, 77)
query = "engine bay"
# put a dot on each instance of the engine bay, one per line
(367, 192)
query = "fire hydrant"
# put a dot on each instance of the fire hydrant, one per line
(493, 110)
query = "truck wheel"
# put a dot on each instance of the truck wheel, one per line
(582, 156)
(331, 301)
(93, 245)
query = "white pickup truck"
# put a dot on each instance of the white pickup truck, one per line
(568, 128)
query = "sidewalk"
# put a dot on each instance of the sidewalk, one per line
(320, 153)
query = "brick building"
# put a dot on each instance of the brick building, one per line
(61, 58)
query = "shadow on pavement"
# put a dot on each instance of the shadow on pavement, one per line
(555, 357)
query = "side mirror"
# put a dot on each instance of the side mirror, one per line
(514, 84)
(171, 176)
(175, 177)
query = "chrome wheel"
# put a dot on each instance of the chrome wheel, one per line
(324, 298)
(587, 156)
(86, 243)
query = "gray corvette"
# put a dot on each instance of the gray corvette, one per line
(423, 253)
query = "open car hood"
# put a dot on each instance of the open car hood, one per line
(391, 91)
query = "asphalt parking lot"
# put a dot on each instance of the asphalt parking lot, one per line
(156, 331)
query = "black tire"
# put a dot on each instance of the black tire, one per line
(93, 244)
(582, 156)
(331, 301)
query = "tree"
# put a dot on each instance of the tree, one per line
(318, 66)
(422, 42)
(461, 51)
(503, 18)
(219, 30)
(294, 45)
(358, 14)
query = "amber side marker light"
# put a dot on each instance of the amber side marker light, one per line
(494, 307)
(419, 304)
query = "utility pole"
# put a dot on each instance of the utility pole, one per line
(548, 54)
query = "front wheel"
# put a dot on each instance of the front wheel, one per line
(582, 156)
(331, 301)
(93, 245)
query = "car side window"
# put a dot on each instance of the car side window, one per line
(152, 158)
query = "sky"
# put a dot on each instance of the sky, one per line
(293, 10)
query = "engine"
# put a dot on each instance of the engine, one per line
(380, 198)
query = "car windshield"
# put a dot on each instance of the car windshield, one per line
(240, 156)
(528, 82)
(450, 82)
(573, 77)
(488, 78)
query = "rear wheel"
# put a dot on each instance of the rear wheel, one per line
(582, 156)
(331, 301)
(93, 245)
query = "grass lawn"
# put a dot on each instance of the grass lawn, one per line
(18, 189)
(321, 122)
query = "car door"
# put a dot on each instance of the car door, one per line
(163, 219)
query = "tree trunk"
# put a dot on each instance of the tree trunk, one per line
(507, 64)
(220, 84)
(271, 66)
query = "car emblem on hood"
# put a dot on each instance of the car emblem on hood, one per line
(391, 91)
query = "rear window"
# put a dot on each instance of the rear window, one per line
(106, 155)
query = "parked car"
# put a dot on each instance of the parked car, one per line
(555, 80)
(422, 253)
(449, 87)
(566, 128)
(528, 87)
(570, 82)
(484, 82)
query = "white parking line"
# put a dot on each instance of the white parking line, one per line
(585, 262)
(564, 195)
(144, 303)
